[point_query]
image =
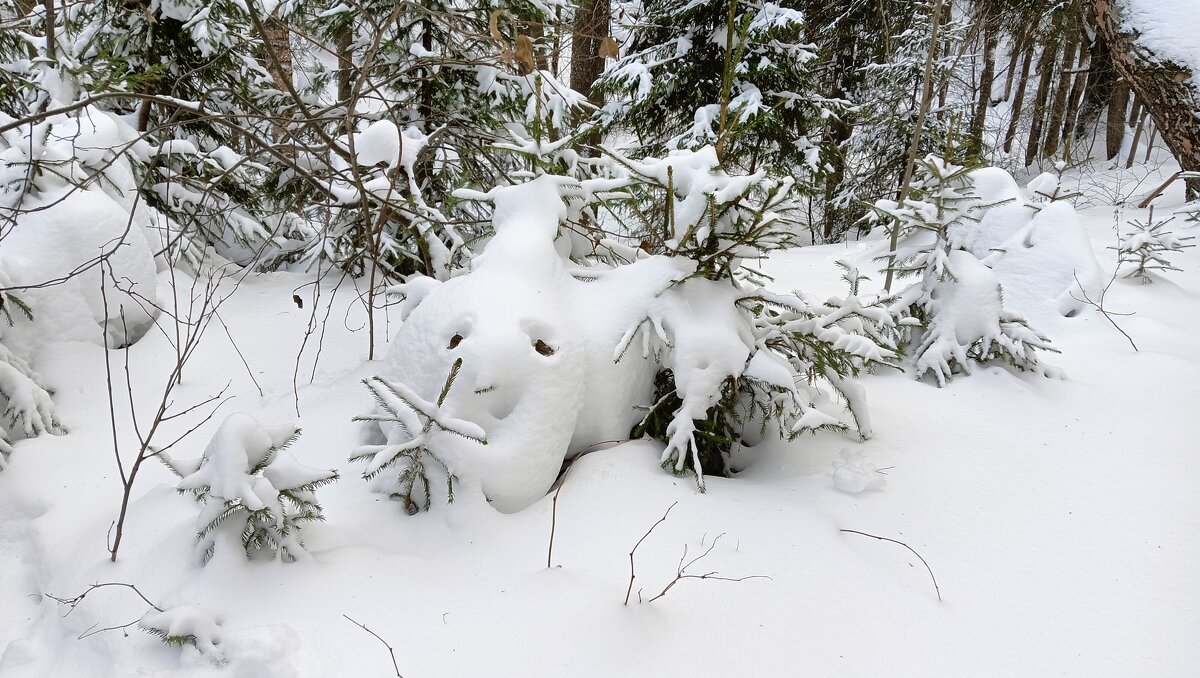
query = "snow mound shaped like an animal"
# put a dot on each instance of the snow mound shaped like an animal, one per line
(538, 372)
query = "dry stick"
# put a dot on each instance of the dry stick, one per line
(239, 352)
(92, 630)
(112, 409)
(918, 555)
(632, 575)
(563, 481)
(681, 570)
(380, 639)
(1099, 305)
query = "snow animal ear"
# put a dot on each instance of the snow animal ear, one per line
(413, 292)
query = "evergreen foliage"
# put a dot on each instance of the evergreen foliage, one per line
(1145, 248)
(250, 486)
(411, 425)
(725, 73)
(952, 317)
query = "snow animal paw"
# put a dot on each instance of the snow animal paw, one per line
(681, 448)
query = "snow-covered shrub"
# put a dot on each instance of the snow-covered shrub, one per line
(568, 341)
(1145, 247)
(252, 489)
(184, 625)
(953, 316)
(410, 424)
(25, 401)
(693, 75)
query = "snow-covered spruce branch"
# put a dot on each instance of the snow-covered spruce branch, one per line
(176, 626)
(1145, 248)
(252, 488)
(411, 425)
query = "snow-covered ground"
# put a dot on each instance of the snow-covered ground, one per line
(1058, 517)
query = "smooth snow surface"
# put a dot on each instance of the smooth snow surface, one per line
(1058, 517)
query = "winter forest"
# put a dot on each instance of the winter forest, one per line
(599, 338)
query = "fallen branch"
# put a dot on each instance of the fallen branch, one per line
(632, 574)
(562, 481)
(681, 570)
(1099, 305)
(92, 630)
(380, 639)
(918, 555)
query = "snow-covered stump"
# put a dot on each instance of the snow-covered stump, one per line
(252, 489)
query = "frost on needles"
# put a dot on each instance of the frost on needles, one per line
(610, 305)
(252, 490)
(952, 317)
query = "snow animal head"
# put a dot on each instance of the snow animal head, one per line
(522, 375)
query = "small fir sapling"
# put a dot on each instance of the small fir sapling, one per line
(250, 486)
(411, 425)
(184, 625)
(738, 357)
(27, 408)
(953, 317)
(1145, 247)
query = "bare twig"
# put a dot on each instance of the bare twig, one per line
(681, 570)
(562, 481)
(380, 639)
(918, 555)
(74, 602)
(1098, 304)
(632, 574)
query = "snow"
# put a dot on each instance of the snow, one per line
(1167, 27)
(1057, 515)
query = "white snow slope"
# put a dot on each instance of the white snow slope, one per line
(1058, 516)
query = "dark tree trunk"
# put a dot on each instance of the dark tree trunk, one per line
(588, 32)
(1167, 90)
(277, 34)
(1075, 99)
(1045, 69)
(1114, 131)
(979, 115)
(1018, 99)
(1058, 110)
(590, 28)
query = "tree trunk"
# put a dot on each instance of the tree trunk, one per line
(1045, 68)
(277, 34)
(588, 31)
(1075, 100)
(1114, 132)
(590, 28)
(1168, 91)
(345, 74)
(1013, 61)
(979, 115)
(1058, 110)
(1019, 99)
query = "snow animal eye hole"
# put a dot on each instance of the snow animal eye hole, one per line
(543, 348)
(455, 341)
